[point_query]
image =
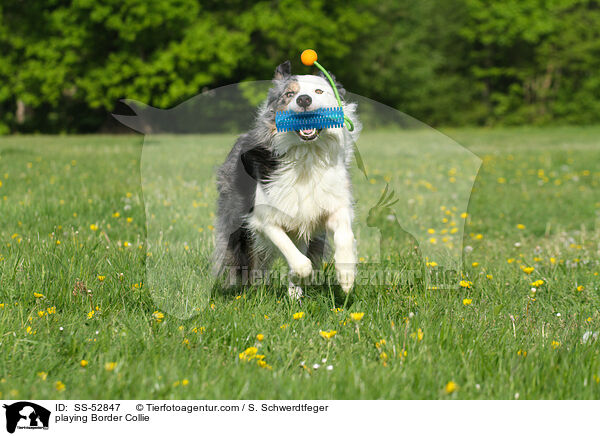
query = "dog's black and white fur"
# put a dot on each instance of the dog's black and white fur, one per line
(284, 191)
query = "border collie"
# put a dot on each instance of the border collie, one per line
(284, 192)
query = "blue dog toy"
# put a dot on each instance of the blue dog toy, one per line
(318, 119)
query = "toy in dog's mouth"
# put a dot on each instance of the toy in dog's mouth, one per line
(308, 134)
(308, 124)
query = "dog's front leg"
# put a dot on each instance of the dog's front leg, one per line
(340, 223)
(299, 263)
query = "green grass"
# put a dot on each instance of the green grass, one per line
(57, 188)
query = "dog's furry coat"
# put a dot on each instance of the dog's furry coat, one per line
(284, 191)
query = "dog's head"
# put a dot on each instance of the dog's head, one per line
(300, 93)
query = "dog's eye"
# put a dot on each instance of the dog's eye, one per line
(318, 91)
(289, 94)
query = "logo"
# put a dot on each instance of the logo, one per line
(26, 415)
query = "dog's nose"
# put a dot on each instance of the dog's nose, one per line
(304, 101)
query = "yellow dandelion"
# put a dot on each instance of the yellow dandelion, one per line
(580, 288)
(93, 227)
(248, 354)
(357, 316)
(263, 364)
(520, 226)
(450, 387)
(83, 363)
(260, 336)
(527, 269)
(328, 335)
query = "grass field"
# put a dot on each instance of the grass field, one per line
(77, 319)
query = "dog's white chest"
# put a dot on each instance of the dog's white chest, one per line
(299, 201)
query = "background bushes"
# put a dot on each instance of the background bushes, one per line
(64, 65)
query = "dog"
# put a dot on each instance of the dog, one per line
(285, 192)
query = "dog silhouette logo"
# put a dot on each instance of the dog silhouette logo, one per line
(26, 415)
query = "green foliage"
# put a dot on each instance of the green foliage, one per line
(65, 64)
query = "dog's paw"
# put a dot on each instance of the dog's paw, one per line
(345, 276)
(295, 292)
(302, 267)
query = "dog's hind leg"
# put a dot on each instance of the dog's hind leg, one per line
(317, 248)
(237, 257)
(294, 291)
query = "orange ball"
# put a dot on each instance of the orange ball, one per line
(308, 57)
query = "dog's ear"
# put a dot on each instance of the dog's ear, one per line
(283, 71)
(338, 85)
